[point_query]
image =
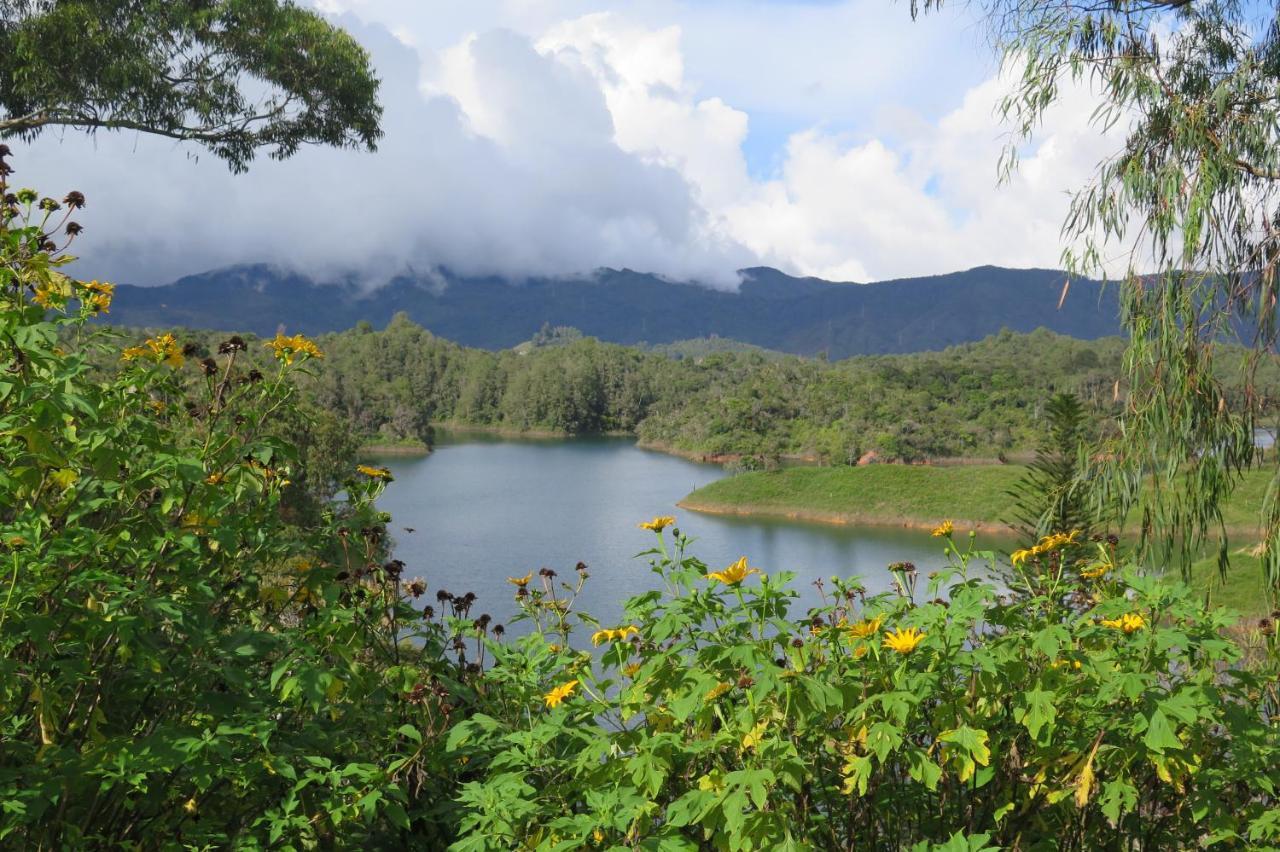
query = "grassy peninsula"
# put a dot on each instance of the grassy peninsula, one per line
(972, 496)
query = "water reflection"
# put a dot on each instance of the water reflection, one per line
(485, 510)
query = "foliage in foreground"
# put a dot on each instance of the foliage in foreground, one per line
(184, 662)
(1086, 708)
(234, 76)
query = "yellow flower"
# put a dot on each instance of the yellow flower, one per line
(630, 671)
(1093, 572)
(866, 627)
(716, 691)
(1053, 542)
(1130, 622)
(45, 297)
(374, 472)
(658, 524)
(621, 634)
(215, 478)
(904, 641)
(735, 573)
(162, 349)
(1018, 557)
(560, 693)
(287, 348)
(99, 296)
(521, 581)
(944, 529)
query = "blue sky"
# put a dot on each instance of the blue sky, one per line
(686, 137)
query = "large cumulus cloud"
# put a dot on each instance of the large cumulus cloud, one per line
(569, 143)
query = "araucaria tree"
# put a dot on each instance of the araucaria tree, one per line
(234, 76)
(1049, 498)
(1191, 204)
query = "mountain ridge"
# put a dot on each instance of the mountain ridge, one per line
(801, 315)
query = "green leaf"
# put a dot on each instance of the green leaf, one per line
(1160, 735)
(1038, 711)
(396, 812)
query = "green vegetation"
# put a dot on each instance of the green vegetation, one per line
(1049, 497)
(899, 721)
(202, 646)
(979, 400)
(232, 75)
(973, 497)
(904, 495)
(197, 646)
(1186, 207)
(916, 495)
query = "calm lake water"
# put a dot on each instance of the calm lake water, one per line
(483, 509)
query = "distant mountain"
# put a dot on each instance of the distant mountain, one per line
(801, 315)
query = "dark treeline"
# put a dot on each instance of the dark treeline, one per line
(713, 398)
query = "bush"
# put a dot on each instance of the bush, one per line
(1083, 711)
(183, 663)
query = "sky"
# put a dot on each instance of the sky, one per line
(689, 138)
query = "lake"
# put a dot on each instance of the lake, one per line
(483, 509)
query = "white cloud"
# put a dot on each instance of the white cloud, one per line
(540, 143)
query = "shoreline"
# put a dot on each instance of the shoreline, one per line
(717, 458)
(376, 449)
(512, 432)
(843, 519)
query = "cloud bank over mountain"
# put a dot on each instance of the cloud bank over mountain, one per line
(529, 138)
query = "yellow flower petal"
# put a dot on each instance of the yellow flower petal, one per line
(556, 696)
(904, 641)
(735, 573)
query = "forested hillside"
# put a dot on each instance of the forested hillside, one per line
(805, 316)
(980, 399)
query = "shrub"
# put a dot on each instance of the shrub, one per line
(182, 663)
(1091, 708)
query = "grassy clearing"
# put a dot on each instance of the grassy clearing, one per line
(905, 495)
(1242, 589)
(972, 496)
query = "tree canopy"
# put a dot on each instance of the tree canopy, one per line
(1185, 215)
(234, 76)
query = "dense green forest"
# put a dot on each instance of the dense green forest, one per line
(716, 399)
(719, 399)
